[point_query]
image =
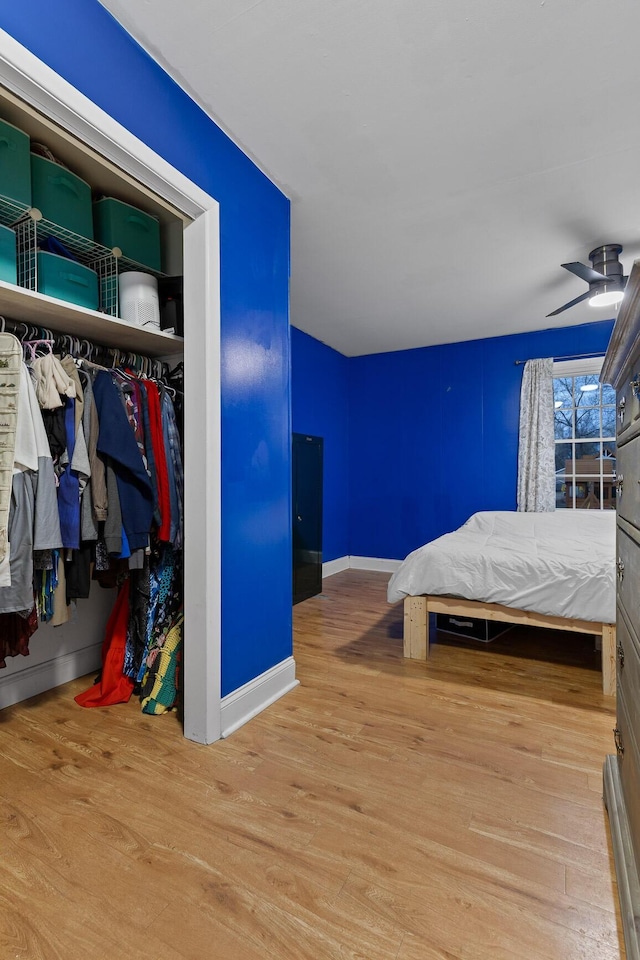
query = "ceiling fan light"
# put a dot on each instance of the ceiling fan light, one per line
(604, 276)
(607, 299)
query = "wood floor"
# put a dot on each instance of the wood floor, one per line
(383, 810)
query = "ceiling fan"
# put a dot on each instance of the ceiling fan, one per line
(604, 276)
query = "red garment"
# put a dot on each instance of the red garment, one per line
(160, 457)
(113, 686)
(15, 632)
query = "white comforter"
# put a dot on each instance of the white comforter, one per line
(560, 564)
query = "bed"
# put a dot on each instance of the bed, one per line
(554, 570)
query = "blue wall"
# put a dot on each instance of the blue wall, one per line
(434, 434)
(86, 46)
(417, 441)
(320, 406)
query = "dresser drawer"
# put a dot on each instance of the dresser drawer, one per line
(628, 471)
(628, 668)
(627, 749)
(628, 404)
(628, 571)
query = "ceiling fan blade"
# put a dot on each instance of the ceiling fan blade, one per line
(584, 272)
(571, 303)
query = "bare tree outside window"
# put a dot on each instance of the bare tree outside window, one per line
(585, 426)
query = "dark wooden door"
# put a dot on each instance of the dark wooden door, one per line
(307, 516)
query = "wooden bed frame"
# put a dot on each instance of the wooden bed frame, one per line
(416, 627)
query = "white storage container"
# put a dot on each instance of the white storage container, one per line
(139, 304)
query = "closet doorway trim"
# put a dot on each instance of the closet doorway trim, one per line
(24, 75)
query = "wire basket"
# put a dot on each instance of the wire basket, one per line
(31, 228)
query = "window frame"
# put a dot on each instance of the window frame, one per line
(587, 366)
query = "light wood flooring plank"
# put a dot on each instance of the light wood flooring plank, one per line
(385, 809)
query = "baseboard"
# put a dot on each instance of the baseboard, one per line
(43, 676)
(334, 566)
(251, 699)
(374, 563)
(359, 563)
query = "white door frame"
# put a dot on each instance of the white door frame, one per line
(38, 85)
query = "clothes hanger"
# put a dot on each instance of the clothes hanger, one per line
(33, 345)
(20, 335)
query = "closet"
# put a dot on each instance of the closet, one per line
(115, 163)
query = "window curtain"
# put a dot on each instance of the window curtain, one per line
(536, 453)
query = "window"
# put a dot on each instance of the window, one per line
(585, 436)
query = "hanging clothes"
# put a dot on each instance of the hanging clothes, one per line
(118, 442)
(113, 686)
(161, 679)
(10, 373)
(140, 597)
(138, 432)
(98, 495)
(52, 383)
(15, 632)
(174, 465)
(33, 517)
(95, 493)
(33, 454)
(160, 459)
(68, 484)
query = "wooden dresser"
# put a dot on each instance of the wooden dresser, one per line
(622, 770)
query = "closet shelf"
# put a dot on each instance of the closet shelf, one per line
(24, 303)
(18, 303)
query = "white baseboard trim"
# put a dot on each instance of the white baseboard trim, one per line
(252, 698)
(334, 566)
(43, 676)
(374, 563)
(359, 563)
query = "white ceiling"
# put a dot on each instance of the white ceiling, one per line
(442, 158)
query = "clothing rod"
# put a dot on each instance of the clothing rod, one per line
(572, 356)
(112, 356)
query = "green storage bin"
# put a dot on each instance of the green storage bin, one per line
(67, 280)
(63, 198)
(118, 224)
(15, 168)
(8, 264)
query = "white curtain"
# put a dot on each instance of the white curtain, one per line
(536, 453)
